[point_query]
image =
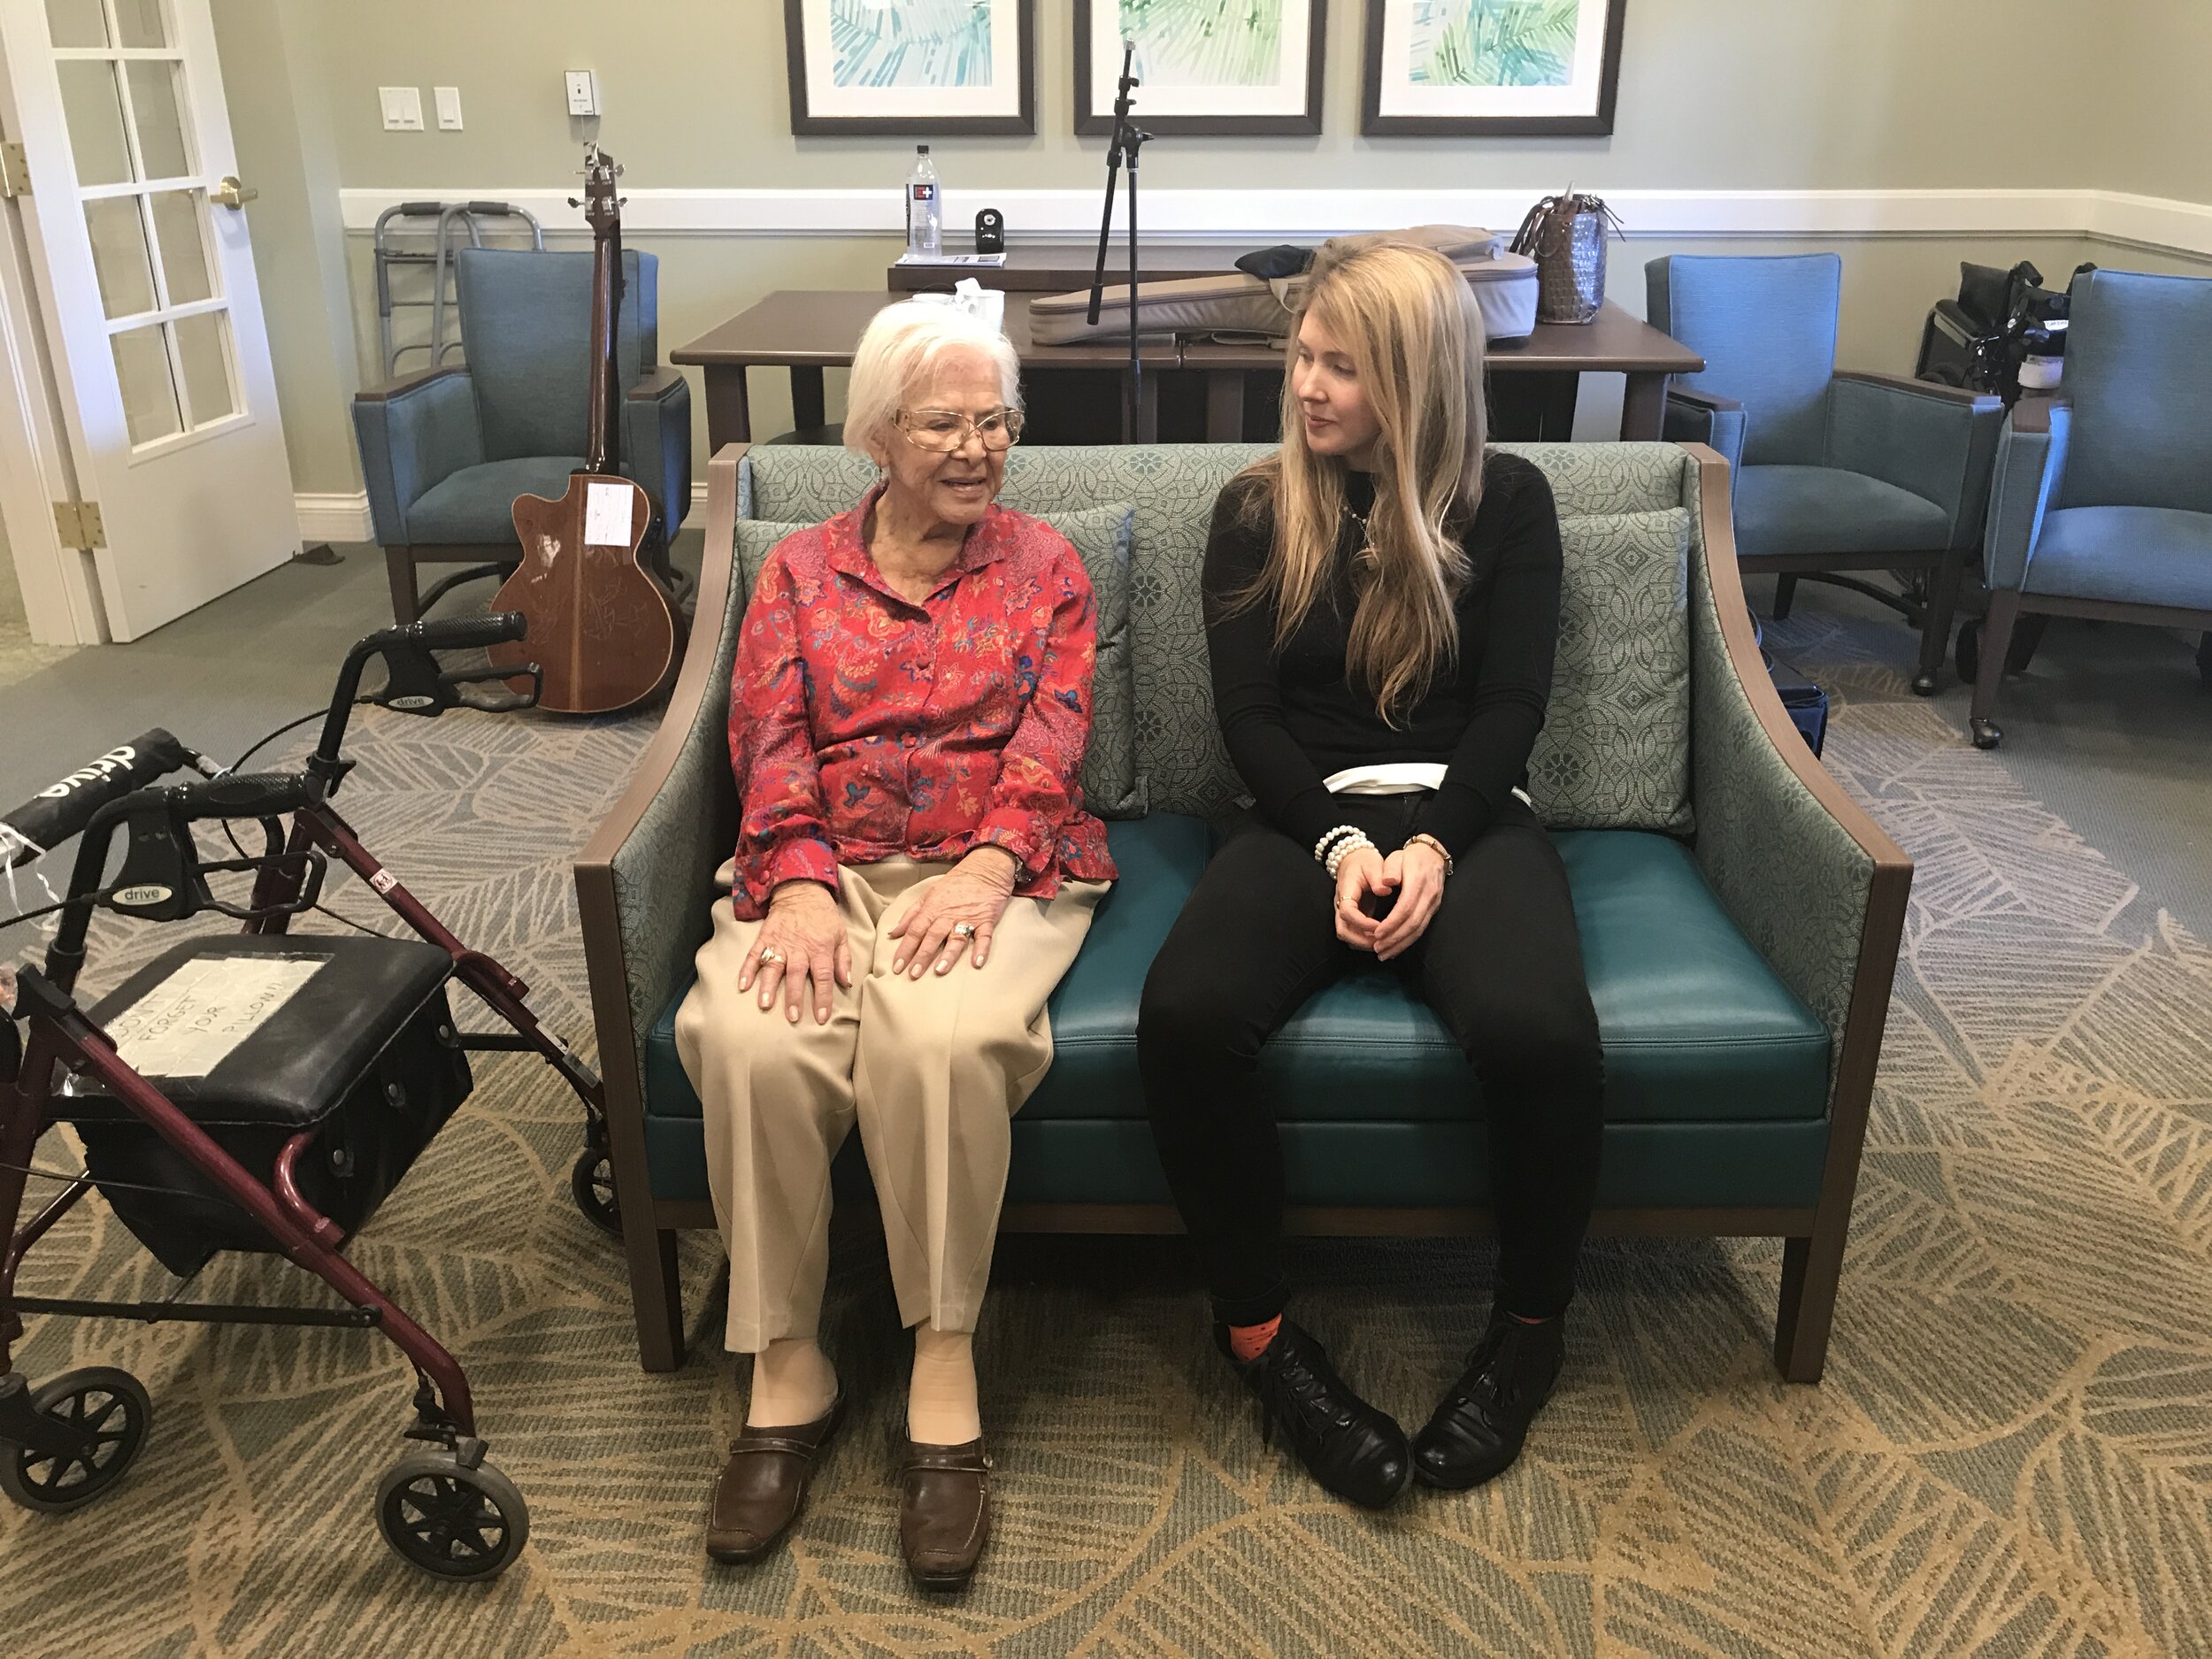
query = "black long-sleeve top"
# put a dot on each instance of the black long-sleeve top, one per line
(1291, 718)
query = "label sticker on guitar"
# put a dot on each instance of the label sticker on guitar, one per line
(607, 514)
(186, 1025)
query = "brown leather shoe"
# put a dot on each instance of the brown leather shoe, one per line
(762, 1487)
(944, 1512)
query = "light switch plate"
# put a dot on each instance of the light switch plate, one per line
(403, 108)
(583, 92)
(449, 108)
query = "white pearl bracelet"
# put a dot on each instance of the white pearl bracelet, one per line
(1344, 848)
(1321, 847)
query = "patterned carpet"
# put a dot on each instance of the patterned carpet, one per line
(2011, 1455)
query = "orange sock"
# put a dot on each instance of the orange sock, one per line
(1247, 1342)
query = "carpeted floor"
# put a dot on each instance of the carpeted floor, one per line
(2011, 1454)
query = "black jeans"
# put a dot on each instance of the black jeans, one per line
(1501, 963)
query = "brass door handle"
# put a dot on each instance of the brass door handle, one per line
(230, 194)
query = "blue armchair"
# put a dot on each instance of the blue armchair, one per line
(2102, 500)
(1832, 471)
(445, 451)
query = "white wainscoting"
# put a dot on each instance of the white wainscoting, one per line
(337, 517)
(2183, 227)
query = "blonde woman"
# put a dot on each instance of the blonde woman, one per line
(914, 872)
(1383, 606)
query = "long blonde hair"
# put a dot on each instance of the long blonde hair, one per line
(1407, 320)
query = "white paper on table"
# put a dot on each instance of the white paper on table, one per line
(607, 514)
(184, 1025)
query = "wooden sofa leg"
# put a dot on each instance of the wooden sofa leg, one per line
(656, 1293)
(1785, 595)
(1811, 1270)
(399, 570)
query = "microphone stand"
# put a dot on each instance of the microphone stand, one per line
(1122, 151)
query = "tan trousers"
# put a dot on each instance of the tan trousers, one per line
(932, 1069)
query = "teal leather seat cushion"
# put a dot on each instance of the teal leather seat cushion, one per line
(477, 504)
(1695, 1025)
(2142, 555)
(1697, 1029)
(1827, 510)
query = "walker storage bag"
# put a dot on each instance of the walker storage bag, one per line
(257, 1038)
(1240, 305)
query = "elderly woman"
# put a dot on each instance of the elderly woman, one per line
(914, 872)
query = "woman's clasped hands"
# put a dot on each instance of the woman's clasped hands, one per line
(1384, 905)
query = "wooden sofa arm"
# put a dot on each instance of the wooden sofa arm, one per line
(626, 995)
(1801, 868)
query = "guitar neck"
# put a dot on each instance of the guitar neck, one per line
(603, 451)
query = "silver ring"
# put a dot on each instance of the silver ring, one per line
(963, 929)
(768, 954)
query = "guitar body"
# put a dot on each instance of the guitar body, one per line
(601, 628)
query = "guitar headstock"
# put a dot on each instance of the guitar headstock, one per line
(602, 208)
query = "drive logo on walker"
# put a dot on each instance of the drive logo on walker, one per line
(115, 760)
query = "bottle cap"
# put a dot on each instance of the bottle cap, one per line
(921, 150)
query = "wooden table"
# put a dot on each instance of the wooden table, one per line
(807, 331)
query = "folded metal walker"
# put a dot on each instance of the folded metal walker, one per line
(259, 1090)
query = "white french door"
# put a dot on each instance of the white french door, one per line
(135, 235)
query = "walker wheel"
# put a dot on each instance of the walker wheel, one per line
(451, 1522)
(110, 1409)
(591, 1182)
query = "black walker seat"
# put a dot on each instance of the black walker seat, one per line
(363, 1058)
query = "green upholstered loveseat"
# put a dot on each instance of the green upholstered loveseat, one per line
(1739, 916)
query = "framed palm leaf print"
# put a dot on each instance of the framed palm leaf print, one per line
(1440, 68)
(1212, 67)
(916, 66)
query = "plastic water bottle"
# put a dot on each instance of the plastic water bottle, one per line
(924, 208)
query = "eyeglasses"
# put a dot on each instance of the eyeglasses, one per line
(940, 431)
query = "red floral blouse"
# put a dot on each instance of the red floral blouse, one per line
(864, 726)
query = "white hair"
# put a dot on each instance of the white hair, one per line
(902, 344)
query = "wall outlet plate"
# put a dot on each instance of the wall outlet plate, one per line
(449, 108)
(583, 92)
(401, 107)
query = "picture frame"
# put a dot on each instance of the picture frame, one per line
(1490, 68)
(949, 68)
(1262, 83)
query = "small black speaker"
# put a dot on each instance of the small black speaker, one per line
(990, 231)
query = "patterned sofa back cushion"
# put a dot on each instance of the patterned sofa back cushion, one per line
(1615, 746)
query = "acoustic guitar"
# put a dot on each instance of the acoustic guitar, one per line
(602, 627)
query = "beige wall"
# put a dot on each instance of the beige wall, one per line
(1714, 94)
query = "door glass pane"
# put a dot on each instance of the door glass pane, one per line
(149, 395)
(183, 249)
(139, 23)
(204, 347)
(77, 22)
(119, 254)
(160, 122)
(94, 109)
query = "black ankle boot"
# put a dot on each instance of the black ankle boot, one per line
(1353, 1449)
(1476, 1430)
